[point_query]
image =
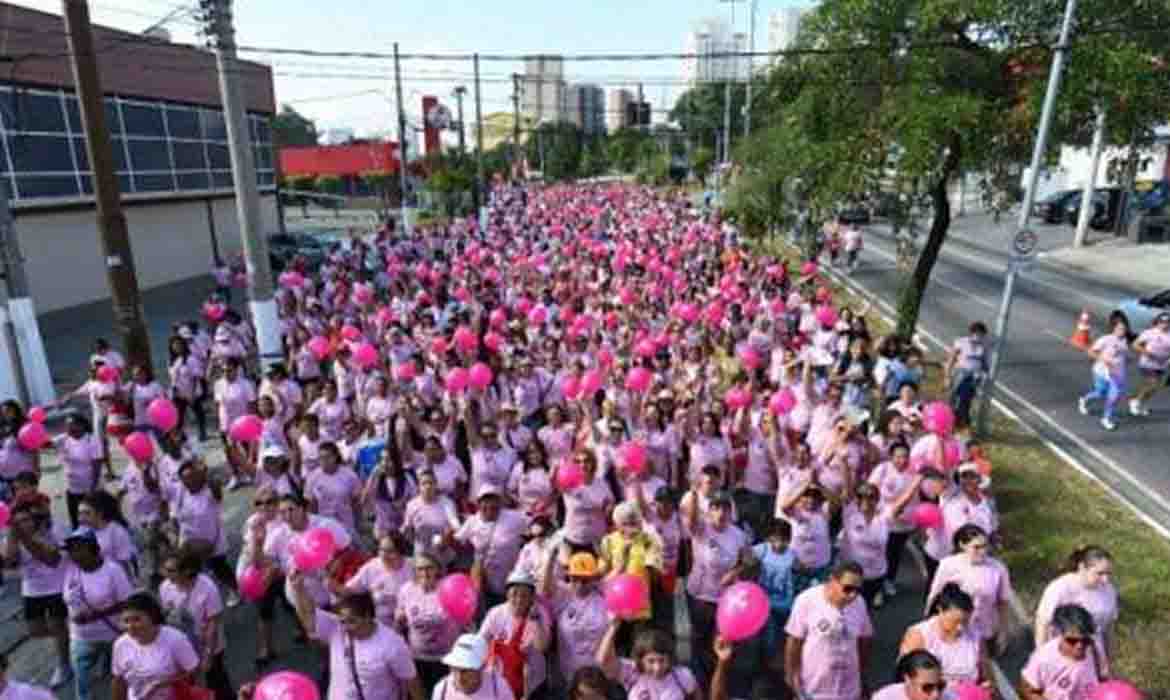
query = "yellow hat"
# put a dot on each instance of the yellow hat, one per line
(583, 565)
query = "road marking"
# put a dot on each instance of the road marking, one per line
(939, 282)
(1146, 491)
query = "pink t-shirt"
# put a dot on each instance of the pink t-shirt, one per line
(390, 506)
(334, 493)
(1112, 353)
(88, 591)
(38, 578)
(810, 537)
(760, 475)
(864, 541)
(14, 690)
(959, 657)
(331, 417)
(493, 687)
(141, 502)
(893, 691)
(677, 684)
(140, 397)
(586, 520)
(1157, 355)
(200, 516)
(830, 667)
(500, 624)
(449, 474)
(891, 484)
(1058, 677)
(382, 662)
(428, 521)
(430, 631)
(491, 467)
(233, 399)
(497, 544)
(532, 488)
(987, 583)
(558, 442)
(79, 455)
(383, 584)
(581, 623)
(715, 553)
(203, 603)
(1100, 602)
(957, 511)
(669, 534)
(116, 544)
(143, 665)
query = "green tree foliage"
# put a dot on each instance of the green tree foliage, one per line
(291, 128)
(699, 111)
(556, 149)
(624, 148)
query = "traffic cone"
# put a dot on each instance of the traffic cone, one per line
(1082, 336)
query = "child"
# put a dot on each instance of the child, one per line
(776, 562)
(652, 671)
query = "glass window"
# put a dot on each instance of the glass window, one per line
(154, 183)
(37, 112)
(47, 186)
(7, 110)
(266, 178)
(41, 154)
(149, 155)
(113, 121)
(221, 179)
(263, 158)
(141, 120)
(87, 184)
(193, 181)
(263, 131)
(73, 114)
(119, 156)
(213, 127)
(183, 123)
(189, 155)
(3, 154)
(218, 155)
(82, 154)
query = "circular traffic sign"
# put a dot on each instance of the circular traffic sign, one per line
(1025, 242)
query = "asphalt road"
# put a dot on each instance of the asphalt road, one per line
(1042, 374)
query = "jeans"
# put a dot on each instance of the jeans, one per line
(85, 657)
(965, 384)
(702, 637)
(1108, 389)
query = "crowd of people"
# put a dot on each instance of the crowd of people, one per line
(601, 384)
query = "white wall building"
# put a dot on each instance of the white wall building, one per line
(543, 94)
(711, 38)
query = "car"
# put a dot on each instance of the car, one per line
(283, 247)
(853, 211)
(1140, 311)
(1105, 201)
(1051, 207)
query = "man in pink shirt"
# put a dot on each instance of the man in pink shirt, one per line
(828, 638)
(1065, 667)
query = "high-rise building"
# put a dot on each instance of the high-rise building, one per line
(542, 90)
(712, 39)
(783, 28)
(587, 108)
(617, 109)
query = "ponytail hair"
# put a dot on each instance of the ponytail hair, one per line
(1086, 555)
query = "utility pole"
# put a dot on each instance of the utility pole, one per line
(115, 236)
(12, 381)
(1024, 245)
(480, 185)
(402, 154)
(217, 16)
(747, 107)
(515, 120)
(459, 93)
(1086, 212)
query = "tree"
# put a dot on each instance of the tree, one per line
(699, 111)
(556, 149)
(291, 128)
(382, 184)
(594, 160)
(702, 158)
(899, 92)
(624, 148)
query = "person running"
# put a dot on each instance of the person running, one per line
(964, 369)
(1153, 350)
(1110, 354)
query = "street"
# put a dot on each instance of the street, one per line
(1043, 375)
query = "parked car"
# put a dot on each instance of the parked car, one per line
(1140, 312)
(284, 247)
(1051, 207)
(853, 211)
(1105, 201)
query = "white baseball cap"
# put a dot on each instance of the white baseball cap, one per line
(273, 452)
(469, 653)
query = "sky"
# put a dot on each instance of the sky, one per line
(359, 94)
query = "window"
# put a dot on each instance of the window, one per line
(266, 179)
(142, 120)
(183, 123)
(73, 114)
(148, 154)
(113, 121)
(36, 112)
(263, 158)
(154, 183)
(47, 186)
(119, 155)
(41, 154)
(193, 181)
(213, 126)
(189, 155)
(221, 179)
(218, 155)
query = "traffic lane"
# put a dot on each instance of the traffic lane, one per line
(1043, 369)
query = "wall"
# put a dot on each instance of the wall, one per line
(171, 242)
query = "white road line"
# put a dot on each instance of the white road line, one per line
(935, 280)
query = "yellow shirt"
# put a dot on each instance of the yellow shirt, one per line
(645, 554)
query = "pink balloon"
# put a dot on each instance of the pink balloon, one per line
(750, 358)
(246, 429)
(214, 312)
(439, 346)
(966, 690)
(826, 316)
(927, 516)
(313, 549)
(782, 402)
(480, 376)
(138, 446)
(938, 418)
(570, 475)
(638, 379)
(571, 387)
(493, 341)
(252, 583)
(32, 436)
(634, 457)
(808, 269)
(465, 339)
(737, 398)
(591, 382)
(1115, 690)
(365, 355)
(742, 611)
(286, 685)
(350, 332)
(319, 346)
(406, 371)
(458, 597)
(498, 318)
(538, 315)
(5, 514)
(952, 453)
(645, 348)
(36, 414)
(523, 305)
(604, 359)
(626, 596)
(108, 373)
(291, 279)
(362, 294)
(457, 380)
(163, 414)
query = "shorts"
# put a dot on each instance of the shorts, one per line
(39, 607)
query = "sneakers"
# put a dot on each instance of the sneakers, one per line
(61, 675)
(233, 484)
(1135, 408)
(232, 599)
(889, 589)
(1083, 406)
(1108, 424)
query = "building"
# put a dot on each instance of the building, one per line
(169, 142)
(542, 90)
(784, 27)
(334, 137)
(617, 109)
(710, 41)
(348, 162)
(587, 108)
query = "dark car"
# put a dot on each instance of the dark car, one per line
(1051, 207)
(853, 211)
(283, 247)
(1105, 202)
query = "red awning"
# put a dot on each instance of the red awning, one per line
(350, 159)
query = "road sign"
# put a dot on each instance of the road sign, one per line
(1024, 244)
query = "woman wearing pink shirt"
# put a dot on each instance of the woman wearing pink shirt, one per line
(448, 470)
(334, 490)
(82, 456)
(383, 576)
(587, 507)
(186, 377)
(1110, 368)
(235, 396)
(140, 391)
(518, 632)
(708, 446)
(150, 658)
(491, 462)
(968, 505)
(331, 410)
(1065, 667)
(947, 634)
(579, 608)
(1087, 583)
(1153, 350)
(865, 534)
(557, 435)
(193, 605)
(389, 489)
(429, 630)
(430, 519)
(920, 677)
(101, 512)
(143, 498)
(808, 512)
(829, 632)
(530, 484)
(14, 458)
(495, 535)
(651, 673)
(198, 514)
(984, 578)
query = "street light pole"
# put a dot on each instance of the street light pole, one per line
(404, 208)
(480, 185)
(747, 107)
(1091, 182)
(459, 93)
(1022, 246)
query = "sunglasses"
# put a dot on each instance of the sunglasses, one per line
(933, 687)
(1078, 641)
(265, 502)
(849, 589)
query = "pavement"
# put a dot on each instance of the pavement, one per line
(1042, 375)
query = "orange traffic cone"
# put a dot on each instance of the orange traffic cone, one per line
(1082, 336)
